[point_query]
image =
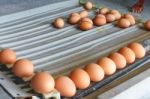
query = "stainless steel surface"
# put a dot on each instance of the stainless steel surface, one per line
(58, 51)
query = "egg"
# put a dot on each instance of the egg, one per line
(95, 72)
(100, 15)
(128, 54)
(7, 56)
(23, 68)
(118, 59)
(147, 25)
(108, 65)
(130, 18)
(59, 23)
(74, 13)
(80, 78)
(65, 86)
(43, 82)
(103, 10)
(123, 23)
(83, 14)
(116, 14)
(86, 19)
(98, 21)
(85, 25)
(88, 5)
(110, 18)
(138, 49)
(74, 18)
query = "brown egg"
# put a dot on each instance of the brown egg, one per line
(86, 19)
(59, 23)
(65, 86)
(95, 72)
(123, 23)
(74, 13)
(128, 54)
(103, 10)
(84, 14)
(116, 14)
(110, 17)
(88, 5)
(80, 78)
(147, 25)
(130, 18)
(7, 56)
(85, 25)
(138, 49)
(108, 65)
(119, 60)
(74, 19)
(100, 15)
(43, 82)
(23, 68)
(98, 20)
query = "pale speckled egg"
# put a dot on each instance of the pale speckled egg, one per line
(108, 65)
(95, 72)
(128, 54)
(43, 82)
(65, 86)
(138, 49)
(81, 78)
(119, 60)
(7, 56)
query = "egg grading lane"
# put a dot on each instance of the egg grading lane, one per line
(39, 22)
(37, 12)
(68, 45)
(67, 63)
(49, 59)
(59, 41)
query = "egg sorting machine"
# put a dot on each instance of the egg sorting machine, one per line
(58, 51)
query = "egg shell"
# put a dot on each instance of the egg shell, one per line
(43, 83)
(23, 68)
(130, 18)
(95, 72)
(74, 19)
(98, 21)
(138, 49)
(128, 54)
(110, 18)
(117, 16)
(85, 25)
(80, 78)
(84, 14)
(108, 65)
(114, 11)
(7, 56)
(147, 25)
(59, 23)
(88, 5)
(65, 86)
(118, 59)
(123, 23)
(100, 15)
(86, 19)
(74, 13)
(103, 10)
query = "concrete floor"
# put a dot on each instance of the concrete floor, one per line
(12, 6)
